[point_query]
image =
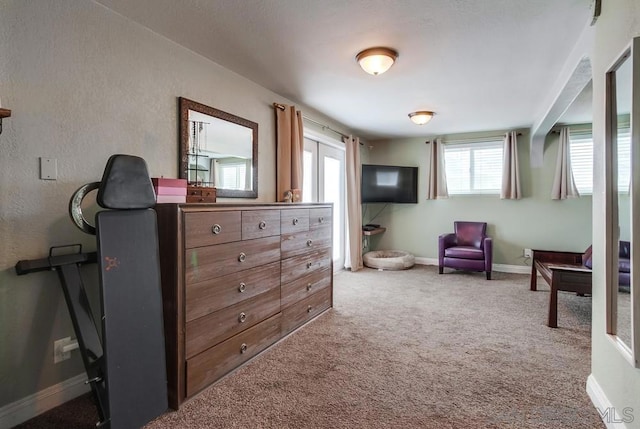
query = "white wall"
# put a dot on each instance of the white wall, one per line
(84, 83)
(619, 381)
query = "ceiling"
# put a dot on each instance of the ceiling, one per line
(480, 65)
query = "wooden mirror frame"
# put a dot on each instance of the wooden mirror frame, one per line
(630, 351)
(185, 105)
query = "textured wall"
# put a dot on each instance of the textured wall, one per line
(620, 382)
(534, 222)
(84, 83)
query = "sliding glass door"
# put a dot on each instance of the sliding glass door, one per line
(324, 181)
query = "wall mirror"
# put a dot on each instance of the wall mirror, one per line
(623, 167)
(218, 149)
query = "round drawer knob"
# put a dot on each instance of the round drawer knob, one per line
(243, 348)
(309, 243)
(242, 256)
(321, 219)
(242, 317)
(216, 229)
(309, 264)
(309, 286)
(295, 221)
(242, 287)
(262, 225)
(309, 308)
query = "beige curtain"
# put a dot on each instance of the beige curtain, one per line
(353, 258)
(436, 178)
(290, 149)
(510, 171)
(563, 184)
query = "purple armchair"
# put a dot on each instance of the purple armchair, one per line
(624, 265)
(468, 248)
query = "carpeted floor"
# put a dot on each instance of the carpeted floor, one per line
(405, 349)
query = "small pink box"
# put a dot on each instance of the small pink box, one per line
(167, 190)
(171, 199)
(169, 183)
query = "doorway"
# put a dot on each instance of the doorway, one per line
(324, 181)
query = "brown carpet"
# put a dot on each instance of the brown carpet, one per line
(405, 349)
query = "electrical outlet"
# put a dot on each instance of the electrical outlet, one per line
(58, 353)
(528, 253)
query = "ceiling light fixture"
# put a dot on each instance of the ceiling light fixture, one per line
(421, 117)
(376, 61)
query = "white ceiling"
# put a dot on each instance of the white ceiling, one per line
(479, 64)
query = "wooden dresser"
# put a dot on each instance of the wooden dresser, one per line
(236, 278)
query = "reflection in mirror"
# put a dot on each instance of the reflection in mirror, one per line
(622, 136)
(622, 155)
(218, 149)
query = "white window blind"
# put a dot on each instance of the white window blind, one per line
(233, 175)
(624, 160)
(474, 168)
(581, 153)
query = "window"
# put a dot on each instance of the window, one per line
(581, 153)
(233, 175)
(624, 160)
(474, 168)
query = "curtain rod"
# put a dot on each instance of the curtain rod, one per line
(556, 130)
(324, 127)
(475, 139)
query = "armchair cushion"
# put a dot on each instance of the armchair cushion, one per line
(624, 266)
(465, 252)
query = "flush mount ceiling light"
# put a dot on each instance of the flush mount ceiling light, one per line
(376, 61)
(421, 117)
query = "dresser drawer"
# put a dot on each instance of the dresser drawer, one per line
(205, 263)
(305, 310)
(213, 328)
(200, 191)
(206, 228)
(260, 223)
(299, 289)
(294, 220)
(296, 244)
(197, 199)
(300, 266)
(214, 294)
(215, 362)
(320, 217)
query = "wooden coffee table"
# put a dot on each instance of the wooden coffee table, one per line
(563, 271)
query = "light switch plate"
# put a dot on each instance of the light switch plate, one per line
(48, 169)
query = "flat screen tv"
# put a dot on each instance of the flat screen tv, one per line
(389, 184)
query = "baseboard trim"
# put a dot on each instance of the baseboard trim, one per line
(502, 268)
(611, 417)
(426, 261)
(26, 408)
(514, 269)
